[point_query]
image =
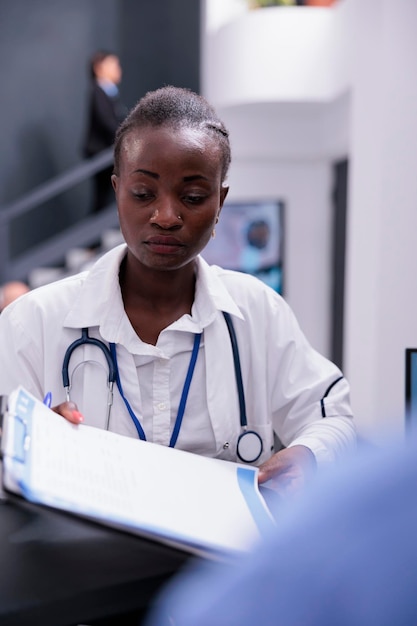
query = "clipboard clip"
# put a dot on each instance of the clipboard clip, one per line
(16, 422)
(24, 440)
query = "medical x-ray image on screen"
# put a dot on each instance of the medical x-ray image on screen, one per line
(249, 238)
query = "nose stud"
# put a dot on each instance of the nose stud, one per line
(157, 217)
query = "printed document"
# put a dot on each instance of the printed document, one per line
(200, 504)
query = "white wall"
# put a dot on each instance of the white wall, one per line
(381, 311)
(285, 133)
(304, 187)
(284, 152)
(277, 54)
(294, 101)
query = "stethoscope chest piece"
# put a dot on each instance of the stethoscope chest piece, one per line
(249, 446)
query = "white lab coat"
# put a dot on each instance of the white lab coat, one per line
(289, 387)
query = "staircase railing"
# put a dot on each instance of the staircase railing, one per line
(52, 251)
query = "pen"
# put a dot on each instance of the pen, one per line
(48, 399)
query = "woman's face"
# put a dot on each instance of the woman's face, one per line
(169, 194)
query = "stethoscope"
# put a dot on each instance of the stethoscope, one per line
(249, 443)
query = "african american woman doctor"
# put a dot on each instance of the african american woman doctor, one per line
(165, 347)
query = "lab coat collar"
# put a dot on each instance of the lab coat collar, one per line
(103, 306)
(209, 281)
(100, 297)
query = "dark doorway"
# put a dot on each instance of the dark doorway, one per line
(340, 199)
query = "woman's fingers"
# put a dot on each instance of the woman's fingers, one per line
(70, 412)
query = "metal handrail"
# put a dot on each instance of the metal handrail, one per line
(56, 185)
(81, 233)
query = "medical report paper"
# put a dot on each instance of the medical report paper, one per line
(202, 505)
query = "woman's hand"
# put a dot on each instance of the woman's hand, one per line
(289, 470)
(70, 411)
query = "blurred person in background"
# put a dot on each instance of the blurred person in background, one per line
(105, 113)
(343, 554)
(10, 291)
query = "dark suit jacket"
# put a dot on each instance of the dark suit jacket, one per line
(104, 116)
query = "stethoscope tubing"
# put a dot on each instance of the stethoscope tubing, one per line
(249, 443)
(114, 377)
(238, 370)
(83, 340)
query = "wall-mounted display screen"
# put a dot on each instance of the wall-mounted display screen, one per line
(249, 238)
(411, 388)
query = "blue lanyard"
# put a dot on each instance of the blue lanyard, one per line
(184, 395)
